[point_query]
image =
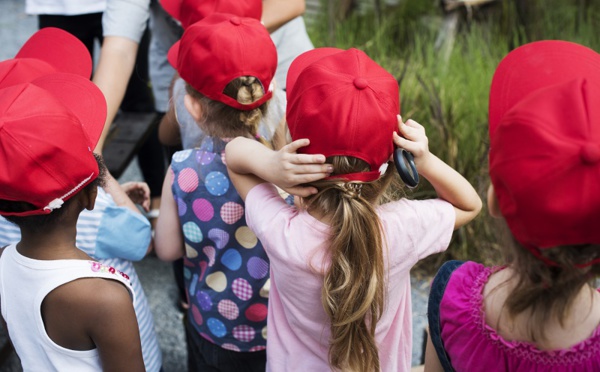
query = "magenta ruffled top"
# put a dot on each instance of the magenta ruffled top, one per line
(475, 346)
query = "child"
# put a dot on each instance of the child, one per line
(340, 262)
(103, 231)
(63, 311)
(178, 127)
(540, 311)
(228, 63)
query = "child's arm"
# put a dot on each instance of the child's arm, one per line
(448, 183)
(168, 128)
(168, 237)
(138, 193)
(114, 328)
(432, 362)
(90, 313)
(120, 194)
(250, 163)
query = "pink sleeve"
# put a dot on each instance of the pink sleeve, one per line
(263, 206)
(422, 226)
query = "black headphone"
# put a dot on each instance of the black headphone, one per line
(405, 165)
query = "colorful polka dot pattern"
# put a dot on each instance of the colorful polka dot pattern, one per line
(246, 237)
(192, 232)
(226, 270)
(244, 333)
(228, 309)
(203, 209)
(231, 212)
(242, 289)
(188, 180)
(258, 268)
(217, 183)
(220, 237)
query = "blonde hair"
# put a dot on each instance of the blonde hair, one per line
(353, 287)
(221, 120)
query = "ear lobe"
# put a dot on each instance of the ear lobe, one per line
(492, 200)
(90, 198)
(193, 106)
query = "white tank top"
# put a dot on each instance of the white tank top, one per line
(24, 283)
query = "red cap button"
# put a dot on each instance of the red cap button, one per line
(236, 21)
(360, 83)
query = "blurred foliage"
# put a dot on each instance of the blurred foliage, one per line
(445, 78)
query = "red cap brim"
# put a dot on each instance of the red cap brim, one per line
(60, 49)
(82, 97)
(534, 66)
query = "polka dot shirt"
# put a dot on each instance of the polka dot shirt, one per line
(226, 270)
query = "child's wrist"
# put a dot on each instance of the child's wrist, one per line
(423, 162)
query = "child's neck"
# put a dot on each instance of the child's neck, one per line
(53, 244)
(316, 214)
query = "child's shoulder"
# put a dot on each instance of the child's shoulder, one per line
(92, 292)
(86, 306)
(428, 211)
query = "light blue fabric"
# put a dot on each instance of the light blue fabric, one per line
(116, 223)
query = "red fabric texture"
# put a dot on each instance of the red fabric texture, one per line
(220, 48)
(545, 143)
(190, 11)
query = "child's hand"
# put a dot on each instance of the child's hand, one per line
(290, 169)
(138, 192)
(415, 140)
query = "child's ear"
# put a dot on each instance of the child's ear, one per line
(89, 198)
(492, 200)
(193, 106)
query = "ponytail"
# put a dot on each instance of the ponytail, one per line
(353, 286)
(220, 120)
(249, 91)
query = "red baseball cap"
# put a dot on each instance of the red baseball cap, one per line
(48, 51)
(220, 48)
(190, 11)
(48, 130)
(346, 104)
(545, 144)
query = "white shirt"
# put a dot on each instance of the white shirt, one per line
(24, 283)
(64, 7)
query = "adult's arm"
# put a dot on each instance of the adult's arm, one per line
(123, 23)
(276, 13)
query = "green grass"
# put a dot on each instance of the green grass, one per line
(448, 92)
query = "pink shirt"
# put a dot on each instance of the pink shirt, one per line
(473, 346)
(298, 328)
